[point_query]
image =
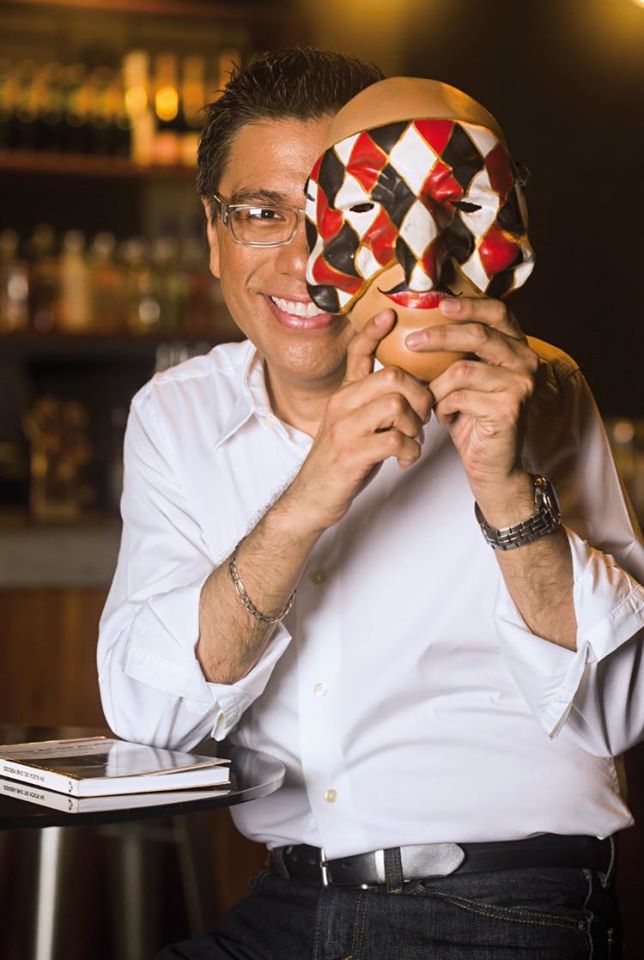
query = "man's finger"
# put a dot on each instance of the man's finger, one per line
(479, 338)
(492, 312)
(362, 348)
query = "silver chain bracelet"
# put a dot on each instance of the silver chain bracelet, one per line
(245, 599)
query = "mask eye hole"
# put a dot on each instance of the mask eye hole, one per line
(466, 207)
(362, 207)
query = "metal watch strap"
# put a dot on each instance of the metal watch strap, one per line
(545, 519)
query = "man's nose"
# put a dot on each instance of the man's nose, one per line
(292, 257)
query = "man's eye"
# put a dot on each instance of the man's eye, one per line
(260, 214)
(361, 207)
(465, 206)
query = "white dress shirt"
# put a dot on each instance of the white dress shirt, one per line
(404, 692)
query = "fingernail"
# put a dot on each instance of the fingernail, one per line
(416, 339)
(383, 318)
(450, 306)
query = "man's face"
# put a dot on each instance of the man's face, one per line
(439, 198)
(264, 288)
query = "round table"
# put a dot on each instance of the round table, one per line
(252, 775)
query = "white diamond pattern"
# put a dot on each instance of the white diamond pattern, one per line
(418, 229)
(344, 148)
(474, 271)
(484, 139)
(413, 158)
(366, 263)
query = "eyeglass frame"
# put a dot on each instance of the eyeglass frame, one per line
(222, 209)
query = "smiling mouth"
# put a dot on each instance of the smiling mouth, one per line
(417, 299)
(299, 315)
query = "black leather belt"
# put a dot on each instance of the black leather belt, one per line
(423, 861)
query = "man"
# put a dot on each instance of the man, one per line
(301, 568)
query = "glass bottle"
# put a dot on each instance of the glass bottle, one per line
(143, 308)
(193, 99)
(75, 314)
(14, 285)
(107, 285)
(170, 283)
(138, 106)
(170, 123)
(44, 280)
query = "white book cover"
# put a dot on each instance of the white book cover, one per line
(102, 766)
(67, 804)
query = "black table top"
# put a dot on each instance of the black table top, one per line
(252, 775)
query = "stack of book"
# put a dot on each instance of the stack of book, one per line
(95, 773)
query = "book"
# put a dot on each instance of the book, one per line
(125, 801)
(102, 766)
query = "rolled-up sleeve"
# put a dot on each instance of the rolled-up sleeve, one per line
(593, 695)
(152, 687)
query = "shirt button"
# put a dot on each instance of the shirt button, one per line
(330, 795)
(318, 577)
(320, 689)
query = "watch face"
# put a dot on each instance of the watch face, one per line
(545, 497)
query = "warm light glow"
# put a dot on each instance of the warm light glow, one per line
(136, 101)
(166, 103)
(639, 3)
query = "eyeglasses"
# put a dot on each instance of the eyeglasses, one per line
(258, 224)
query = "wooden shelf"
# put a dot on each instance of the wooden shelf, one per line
(204, 9)
(31, 161)
(57, 346)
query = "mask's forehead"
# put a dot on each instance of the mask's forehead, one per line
(414, 149)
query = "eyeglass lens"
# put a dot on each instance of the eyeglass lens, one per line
(262, 224)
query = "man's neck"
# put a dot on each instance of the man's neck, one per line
(301, 406)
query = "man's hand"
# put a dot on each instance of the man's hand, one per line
(482, 400)
(371, 417)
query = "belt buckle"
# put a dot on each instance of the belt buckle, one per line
(324, 868)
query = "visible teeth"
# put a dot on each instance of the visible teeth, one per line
(297, 308)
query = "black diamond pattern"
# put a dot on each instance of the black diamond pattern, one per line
(463, 156)
(394, 194)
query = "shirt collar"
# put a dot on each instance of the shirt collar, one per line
(253, 401)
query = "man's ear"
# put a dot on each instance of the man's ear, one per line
(213, 242)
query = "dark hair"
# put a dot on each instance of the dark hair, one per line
(300, 83)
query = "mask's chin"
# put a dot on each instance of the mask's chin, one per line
(414, 311)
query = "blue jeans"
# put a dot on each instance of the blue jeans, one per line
(530, 914)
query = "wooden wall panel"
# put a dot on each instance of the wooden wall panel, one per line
(48, 656)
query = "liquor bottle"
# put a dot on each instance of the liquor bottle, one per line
(138, 105)
(44, 280)
(51, 108)
(7, 85)
(120, 141)
(193, 99)
(76, 97)
(74, 285)
(22, 122)
(99, 133)
(143, 309)
(170, 283)
(200, 309)
(170, 123)
(14, 285)
(107, 285)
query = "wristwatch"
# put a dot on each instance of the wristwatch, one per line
(545, 519)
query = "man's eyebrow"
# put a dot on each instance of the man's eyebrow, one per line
(257, 196)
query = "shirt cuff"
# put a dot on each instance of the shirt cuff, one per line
(161, 648)
(609, 607)
(233, 699)
(161, 654)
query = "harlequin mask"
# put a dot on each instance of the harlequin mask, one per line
(430, 189)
